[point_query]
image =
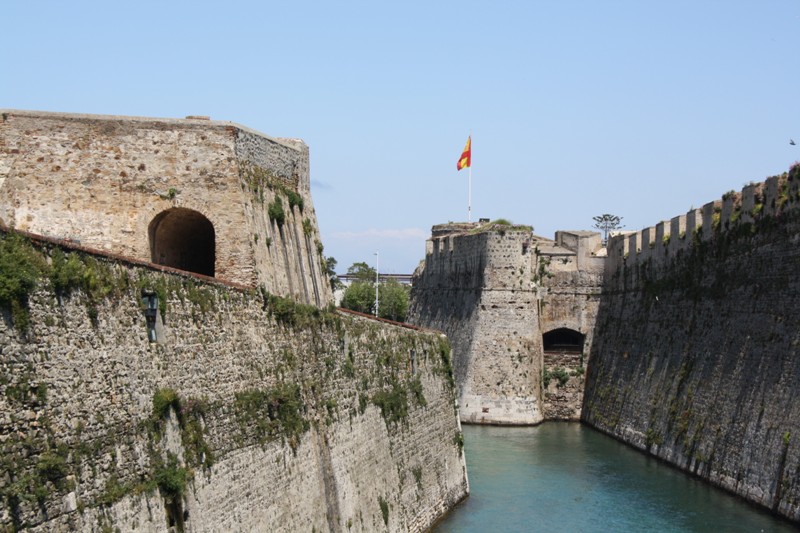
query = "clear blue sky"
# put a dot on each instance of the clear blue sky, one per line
(576, 108)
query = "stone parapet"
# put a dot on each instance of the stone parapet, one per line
(659, 245)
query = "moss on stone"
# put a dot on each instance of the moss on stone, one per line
(276, 412)
(21, 267)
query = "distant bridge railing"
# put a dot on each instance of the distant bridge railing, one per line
(404, 279)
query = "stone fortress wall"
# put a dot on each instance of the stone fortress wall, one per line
(151, 380)
(476, 287)
(191, 193)
(495, 289)
(661, 243)
(571, 278)
(694, 358)
(284, 417)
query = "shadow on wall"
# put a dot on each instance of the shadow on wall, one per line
(183, 238)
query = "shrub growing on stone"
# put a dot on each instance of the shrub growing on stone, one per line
(163, 399)
(276, 212)
(20, 268)
(295, 200)
(171, 479)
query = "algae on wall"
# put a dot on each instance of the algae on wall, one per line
(696, 360)
(243, 393)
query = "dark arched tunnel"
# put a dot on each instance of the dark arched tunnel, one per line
(183, 238)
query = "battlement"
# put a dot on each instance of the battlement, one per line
(444, 236)
(478, 254)
(496, 289)
(658, 244)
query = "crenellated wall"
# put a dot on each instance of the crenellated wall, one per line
(495, 290)
(695, 353)
(477, 287)
(248, 413)
(660, 244)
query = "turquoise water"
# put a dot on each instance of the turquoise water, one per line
(571, 478)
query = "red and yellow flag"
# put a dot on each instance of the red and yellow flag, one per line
(466, 156)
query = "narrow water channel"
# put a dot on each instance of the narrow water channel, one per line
(568, 477)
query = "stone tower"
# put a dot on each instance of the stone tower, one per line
(519, 310)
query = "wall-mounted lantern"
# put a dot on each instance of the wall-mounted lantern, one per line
(150, 304)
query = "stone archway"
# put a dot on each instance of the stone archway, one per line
(563, 340)
(183, 238)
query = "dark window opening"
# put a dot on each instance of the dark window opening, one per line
(563, 340)
(183, 238)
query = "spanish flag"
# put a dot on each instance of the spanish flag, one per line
(466, 156)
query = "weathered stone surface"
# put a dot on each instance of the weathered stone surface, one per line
(233, 410)
(107, 181)
(84, 448)
(695, 353)
(495, 290)
(477, 288)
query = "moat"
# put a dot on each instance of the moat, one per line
(569, 477)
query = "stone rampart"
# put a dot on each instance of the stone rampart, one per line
(695, 353)
(477, 286)
(569, 277)
(210, 197)
(499, 291)
(236, 411)
(659, 244)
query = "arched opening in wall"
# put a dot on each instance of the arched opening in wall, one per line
(183, 238)
(563, 340)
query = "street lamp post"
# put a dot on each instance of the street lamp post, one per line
(377, 281)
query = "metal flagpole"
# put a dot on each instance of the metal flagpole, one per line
(469, 198)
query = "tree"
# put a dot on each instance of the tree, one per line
(607, 223)
(360, 296)
(330, 272)
(362, 272)
(393, 300)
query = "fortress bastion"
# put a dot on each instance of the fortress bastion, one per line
(210, 197)
(519, 310)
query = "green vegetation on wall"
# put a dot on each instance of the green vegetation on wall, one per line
(290, 391)
(257, 179)
(393, 402)
(20, 268)
(276, 412)
(275, 211)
